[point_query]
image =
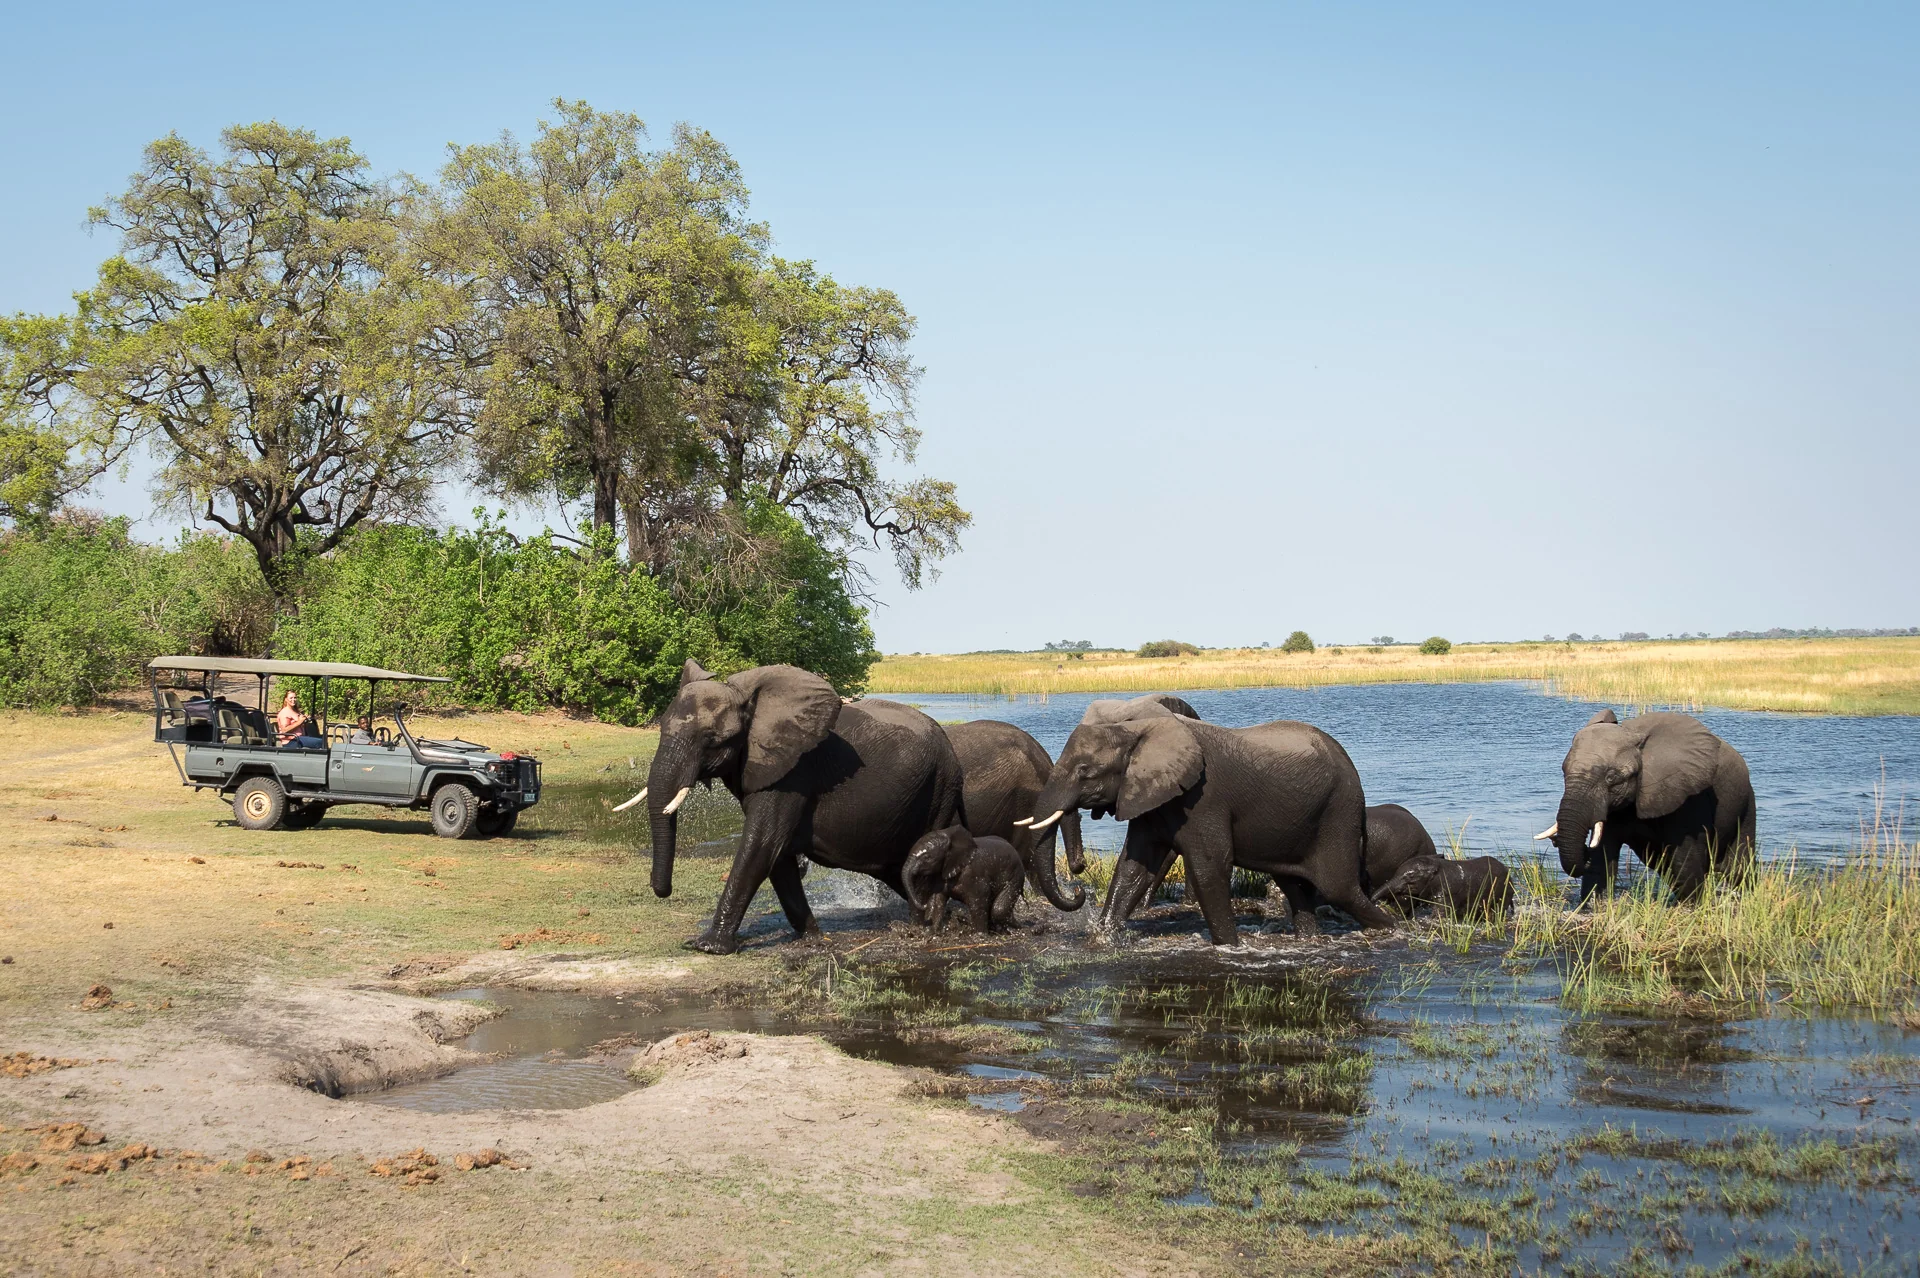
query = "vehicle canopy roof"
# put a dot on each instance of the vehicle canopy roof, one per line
(296, 669)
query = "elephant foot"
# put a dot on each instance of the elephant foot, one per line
(811, 932)
(1306, 923)
(711, 943)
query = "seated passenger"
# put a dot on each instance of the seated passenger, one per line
(295, 730)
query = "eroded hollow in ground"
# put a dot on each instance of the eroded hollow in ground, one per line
(1345, 1083)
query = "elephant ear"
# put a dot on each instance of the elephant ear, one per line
(789, 712)
(1677, 760)
(692, 673)
(1165, 763)
(1605, 716)
(1172, 703)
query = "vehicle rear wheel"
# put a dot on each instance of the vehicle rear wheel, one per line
(454, 811)
(259, 803)
(303, 814)
(492, 823)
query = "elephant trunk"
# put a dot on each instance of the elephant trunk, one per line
(1070, 836)
(1040, 869)
(674, 770)
(1582, 806)
(910, 876)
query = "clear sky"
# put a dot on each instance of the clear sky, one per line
(1484, 320)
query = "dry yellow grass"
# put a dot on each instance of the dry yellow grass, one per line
(1814, 676)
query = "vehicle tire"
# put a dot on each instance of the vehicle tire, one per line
(303, 814)
(454, 811)
(492, 823)
(259, 804)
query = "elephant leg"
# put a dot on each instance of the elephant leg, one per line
(786, 875)
(1141, 864)
(1300, 898)
(773, 821)
(1600, 878)
(980, 907)
(1004, 902)
(937, 913)
(1210, 880)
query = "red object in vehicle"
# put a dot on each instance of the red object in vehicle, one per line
(508, 754)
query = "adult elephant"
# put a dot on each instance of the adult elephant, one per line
(1662, 785)
(1004, 769)
(1282, 798)
(1394, 837)
(849, 785)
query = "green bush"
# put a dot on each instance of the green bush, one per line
(1298, 641)
(1167, 648)
(527, 625)
(516, 625)
(84, 607)
(1436, 647)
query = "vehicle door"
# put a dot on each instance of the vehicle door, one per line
(369, 767)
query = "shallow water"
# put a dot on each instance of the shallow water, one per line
(1486, 756)
(1570, 1139)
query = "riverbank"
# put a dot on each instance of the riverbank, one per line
(1805, 676)
(178, 987)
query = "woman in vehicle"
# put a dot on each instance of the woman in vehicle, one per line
(296, 730)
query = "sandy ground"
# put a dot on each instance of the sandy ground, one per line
(186, 1120)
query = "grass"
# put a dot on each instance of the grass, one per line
(1796, 938)
(1816, 676)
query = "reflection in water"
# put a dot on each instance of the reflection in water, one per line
(1335, 1072)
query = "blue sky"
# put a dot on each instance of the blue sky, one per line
(1488, 321)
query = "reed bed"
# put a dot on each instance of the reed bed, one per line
(1813, 676)
(1795, 938)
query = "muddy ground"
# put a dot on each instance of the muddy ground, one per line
(182, 1001)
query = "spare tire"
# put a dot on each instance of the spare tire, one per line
(492, 823)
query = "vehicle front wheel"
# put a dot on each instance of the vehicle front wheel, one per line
(454, 811)
(492, 823)
(259, 803)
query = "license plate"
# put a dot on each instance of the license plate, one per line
(529, 797)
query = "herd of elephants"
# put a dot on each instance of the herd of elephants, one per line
(967, 812)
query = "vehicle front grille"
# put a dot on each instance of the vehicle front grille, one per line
(529, 776)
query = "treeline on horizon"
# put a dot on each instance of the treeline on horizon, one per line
(1299, 642)
(306, 351)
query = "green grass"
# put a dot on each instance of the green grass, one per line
(1819, 676)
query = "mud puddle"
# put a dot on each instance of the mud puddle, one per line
(1405, 1090)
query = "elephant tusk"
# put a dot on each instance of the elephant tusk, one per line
(1547, 833)
(678, 799)
(1593, 840)
(1024, 821)
(1037, 826)
(635, 799)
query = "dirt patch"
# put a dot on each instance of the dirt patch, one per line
(338, 1041)
(565, 973)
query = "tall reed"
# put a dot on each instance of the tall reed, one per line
(1828, 676)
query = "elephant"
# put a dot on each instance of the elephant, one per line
(1394, 837)
(984, 874)
(848, 785)
(1662, 785)
(1480, 886)
(1003, 769)
(1281, 797)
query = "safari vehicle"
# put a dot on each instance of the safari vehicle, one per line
(232, 748)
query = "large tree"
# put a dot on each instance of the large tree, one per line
(589, 261)
(640, 350)
(256, 334)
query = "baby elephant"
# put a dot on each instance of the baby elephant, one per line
(1480, 886)
(983, 873)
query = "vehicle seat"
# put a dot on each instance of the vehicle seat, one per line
(169, 704)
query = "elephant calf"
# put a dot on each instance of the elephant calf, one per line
(983, 873)
(1478, 887)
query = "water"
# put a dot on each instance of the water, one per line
(1486, 756)
(1322, 1084)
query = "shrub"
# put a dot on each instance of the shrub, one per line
(1298, 641)
(1436, 647)
(83, 607)
(1168, 648)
